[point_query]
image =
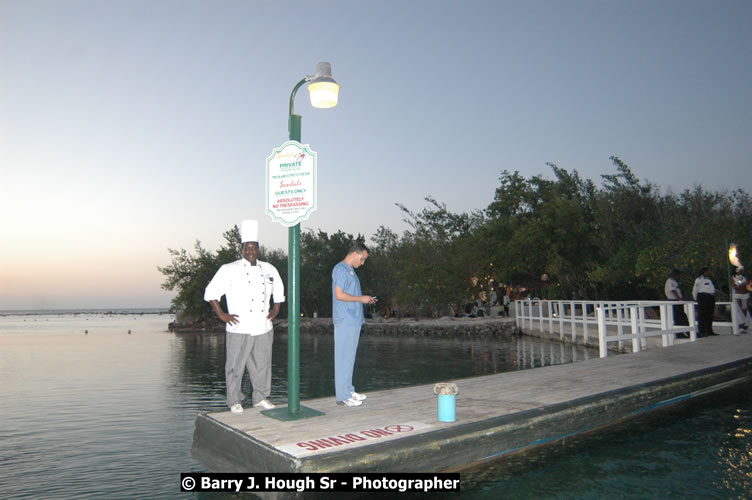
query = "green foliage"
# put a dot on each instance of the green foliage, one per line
(188, 274)
(381, 270)
(319, 253)
(619, 241)
(436, 260)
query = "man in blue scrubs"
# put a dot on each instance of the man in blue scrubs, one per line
(347, 313)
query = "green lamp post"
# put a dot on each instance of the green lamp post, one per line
(324, 93)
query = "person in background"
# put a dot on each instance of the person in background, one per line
(741, 299)
(704, 294)
(673, 292)
(505, 300)
(248, 284)
(347, 314)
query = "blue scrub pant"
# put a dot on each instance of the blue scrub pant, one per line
(346, 338)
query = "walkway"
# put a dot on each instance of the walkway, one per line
(397, 430)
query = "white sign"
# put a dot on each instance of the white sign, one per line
(291, 183)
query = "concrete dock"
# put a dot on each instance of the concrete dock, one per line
(398, 430)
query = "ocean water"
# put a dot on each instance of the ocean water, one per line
(102, 405)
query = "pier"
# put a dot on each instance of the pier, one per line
(398, 430)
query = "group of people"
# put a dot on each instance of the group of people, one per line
(480, 302)
(703, 292)
(254, 291)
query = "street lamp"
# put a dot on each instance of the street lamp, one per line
(324, 93)
(733, 259)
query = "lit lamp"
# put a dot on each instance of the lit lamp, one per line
(324, 93)
(733, 255)
(733, 259)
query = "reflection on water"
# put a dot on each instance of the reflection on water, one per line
(701, 449)
(110, 414)
(382, 362)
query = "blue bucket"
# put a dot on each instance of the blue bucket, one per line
(447, 405)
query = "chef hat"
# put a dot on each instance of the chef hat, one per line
(249, 231)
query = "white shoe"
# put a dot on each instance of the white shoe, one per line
(265, 404)
(236, 408)
(357, 396)
(350, 402)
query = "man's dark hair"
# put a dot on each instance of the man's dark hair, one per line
(357, 247)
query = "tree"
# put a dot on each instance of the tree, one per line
(319, 253)
(188, 274)
(384, 260)
(616, 241)
(438, 258)
(540, 226)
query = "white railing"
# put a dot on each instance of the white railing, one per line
(608, 321)
(558, 315)
(640, 327)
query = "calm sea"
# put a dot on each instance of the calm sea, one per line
(102, 405)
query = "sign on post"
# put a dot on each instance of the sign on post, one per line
(291, 183)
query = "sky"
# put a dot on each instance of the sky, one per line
(129, 127)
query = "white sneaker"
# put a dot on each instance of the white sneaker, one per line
(350, 402)
(236, 408)
(357, 396)
(265, 404)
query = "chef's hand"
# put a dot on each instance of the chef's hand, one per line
(273, 313)
(230, 319)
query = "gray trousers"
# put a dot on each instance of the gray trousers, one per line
(253, 352)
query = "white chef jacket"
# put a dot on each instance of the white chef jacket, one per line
(248, 290)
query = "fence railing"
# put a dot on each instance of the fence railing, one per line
(609, 321)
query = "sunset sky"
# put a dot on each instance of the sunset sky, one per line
(130, 127)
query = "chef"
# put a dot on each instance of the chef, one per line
(248, 284)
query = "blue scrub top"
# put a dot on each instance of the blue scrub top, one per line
(343, 276)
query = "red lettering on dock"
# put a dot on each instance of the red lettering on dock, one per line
(355, 437)
(322, 443)
(376, 433)
(345, 439)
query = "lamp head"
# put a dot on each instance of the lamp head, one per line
(324, 91)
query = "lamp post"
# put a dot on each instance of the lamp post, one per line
(733, 258)
(324, 93)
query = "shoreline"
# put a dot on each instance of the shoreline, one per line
(77, 312)
(486, 326)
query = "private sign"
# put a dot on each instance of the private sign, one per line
(291, 183)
